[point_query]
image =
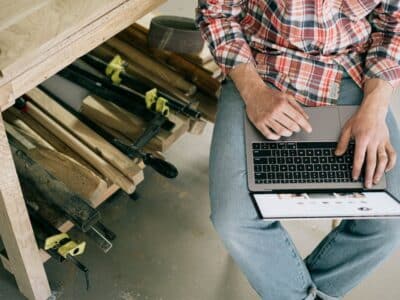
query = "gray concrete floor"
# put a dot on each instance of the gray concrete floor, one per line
(166, 247)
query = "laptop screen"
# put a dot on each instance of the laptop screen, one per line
(327, 205)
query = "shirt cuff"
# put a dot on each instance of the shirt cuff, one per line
(383, 68)
(228, 56)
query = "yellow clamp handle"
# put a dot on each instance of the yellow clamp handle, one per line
(158, 104)
(70, 247)
(114, 69)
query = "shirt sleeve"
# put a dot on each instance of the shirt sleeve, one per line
(219, 23)
(383, 57)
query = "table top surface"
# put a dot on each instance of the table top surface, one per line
(32, 29)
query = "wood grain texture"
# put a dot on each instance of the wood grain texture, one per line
(6, 96)
(136, 36)
(45, 27)
(33, 72)
(75, 176)
(15, 117)
(100, 164)
(132, 126)
(16, 230)
(107, 53)
(152, 66)
(14, 11)
(94, 141)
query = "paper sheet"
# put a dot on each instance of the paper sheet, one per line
(329, 205)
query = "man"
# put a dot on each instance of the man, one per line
(278, 53)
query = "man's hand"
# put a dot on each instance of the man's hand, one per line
(274, 113)
(368, 128)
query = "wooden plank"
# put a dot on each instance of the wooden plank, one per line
(100, 164)
(14, 115)
(75, 176)
(6, 96)
(152, 66)
(197, 127)
(68, 225)
(13, 11)
(16, 230)
(46, 27)
(207, 106)
(94, 141)
(107, 53)
(136, 36)
(132, 126)
(64, 53)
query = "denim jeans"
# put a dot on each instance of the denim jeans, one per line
(263, 250)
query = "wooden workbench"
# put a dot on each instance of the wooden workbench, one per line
(37, 39)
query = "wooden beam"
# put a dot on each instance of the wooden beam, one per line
(137, 36)
(15, 114)
(100, 164)
(75, 176)
(107, 53)
(152, 66)
(16, 230)
(124, 122)
(86, 135)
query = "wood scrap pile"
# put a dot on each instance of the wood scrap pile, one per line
(73, 144)
(193, 78)
(87, 162)
(71, 151)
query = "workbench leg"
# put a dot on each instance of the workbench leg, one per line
(16, 229)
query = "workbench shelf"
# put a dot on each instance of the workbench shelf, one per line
(52, 34)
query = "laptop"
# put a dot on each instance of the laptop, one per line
(299, 177)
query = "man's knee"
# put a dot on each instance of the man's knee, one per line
(386, 230)
(234, 231)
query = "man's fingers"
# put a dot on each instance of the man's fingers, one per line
(268, 132)
(370, 166)
(343, 141)
(392, 156)
(299, 118)
(359, 156)
(298, 107)
(382, 163)
(288, 123)
(278, 128)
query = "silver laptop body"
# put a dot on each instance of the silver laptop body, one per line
(327, 122)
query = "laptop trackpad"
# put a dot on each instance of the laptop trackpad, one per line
(325, 122)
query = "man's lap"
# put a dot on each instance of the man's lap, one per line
(228, 147)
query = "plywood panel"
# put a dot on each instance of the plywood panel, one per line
(25, 40)
(12, 11)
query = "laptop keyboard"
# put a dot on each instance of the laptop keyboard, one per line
(301, 162)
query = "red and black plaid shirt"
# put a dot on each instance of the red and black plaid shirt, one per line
(303, 46)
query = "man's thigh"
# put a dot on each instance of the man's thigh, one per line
(228, 172)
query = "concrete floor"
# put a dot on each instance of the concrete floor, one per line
(166, 247)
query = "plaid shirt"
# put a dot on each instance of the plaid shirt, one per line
(303, 46)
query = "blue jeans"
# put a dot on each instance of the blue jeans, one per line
(264, 250)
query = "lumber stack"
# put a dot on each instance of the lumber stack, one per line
(71, 151)
(198, 71)
(80, 157)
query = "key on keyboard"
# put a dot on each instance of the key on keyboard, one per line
(301, 162)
